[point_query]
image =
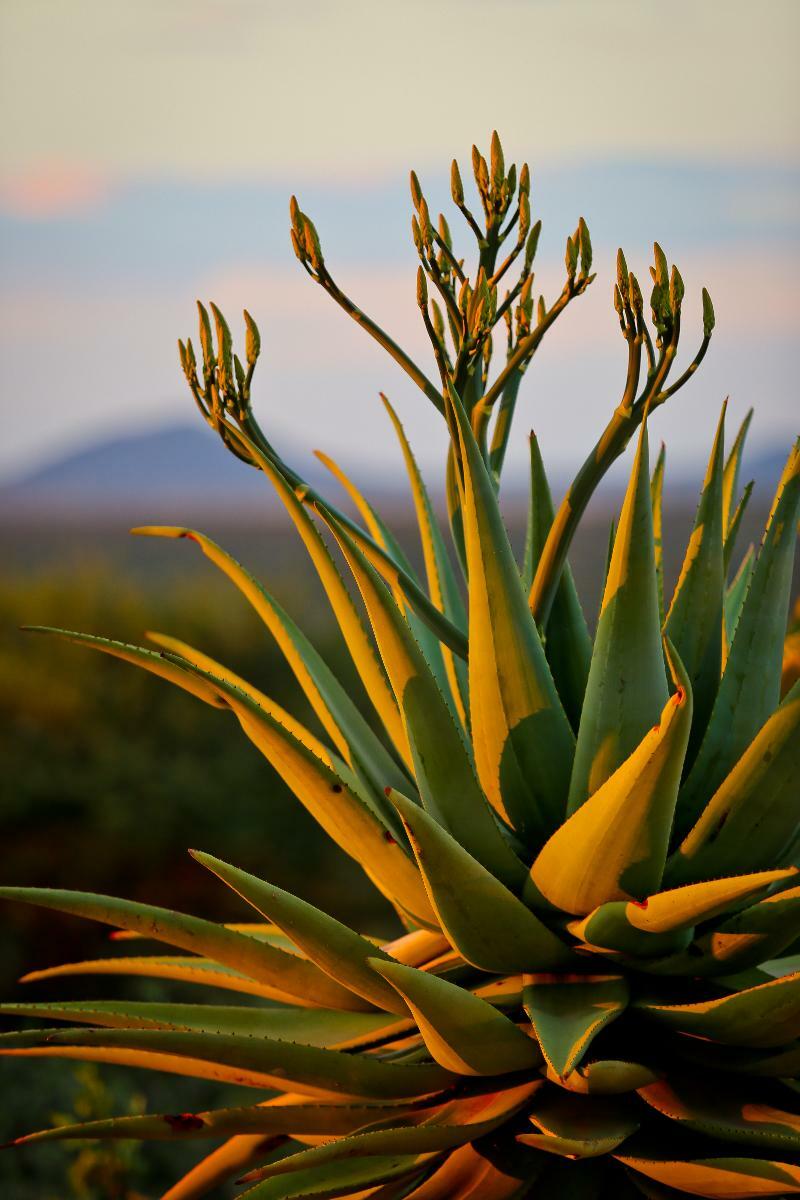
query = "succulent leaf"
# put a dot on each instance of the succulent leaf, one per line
(694, 621)
(615, 845)
(443, 769)
(627, 686)
(568, 644)
(464, 1034)
(522, 739)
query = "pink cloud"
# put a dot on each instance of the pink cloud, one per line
(52, 190)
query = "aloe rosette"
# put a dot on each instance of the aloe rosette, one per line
(589, 842)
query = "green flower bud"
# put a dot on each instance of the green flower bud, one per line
(252, 345)
(456, 186)
(498, 161)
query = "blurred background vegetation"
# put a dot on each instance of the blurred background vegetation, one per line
(109, 775)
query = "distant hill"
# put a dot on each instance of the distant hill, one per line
(183, 464)
(184, 467)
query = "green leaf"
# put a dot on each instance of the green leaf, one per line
(276, 1117)
(486, 922)
(763, 1016)
(356, 639)
(334, 1028)
(445, 1127)
(568, 1011)
(443, 769)
(750, 688)
(153, 966)
(349, 1178)
(198, 659)
(683, 907)
(728, 1113)
(337, 803)
(739, 1177)
(609, 928)
(427, 621)
(290, 1066)
(442, 583)
(522, 738)
(657, 503)
(694, 621)
(605, 1077)
(733, 466)
(735, 524)
(463, 1033)
(578, 1127)
(339, 716)
(758, 933)
(568, 645)
(627, 687)
(286, 973)
(336, 950)
(753, 816)
(734, 599)
(614, 846)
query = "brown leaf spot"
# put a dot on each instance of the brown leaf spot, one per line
(183, 1121)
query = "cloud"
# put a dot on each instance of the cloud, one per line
(53, 190)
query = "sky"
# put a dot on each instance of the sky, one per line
(148, 151)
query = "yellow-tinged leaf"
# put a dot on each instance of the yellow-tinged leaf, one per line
(442, 584)
(522, 738)
(568, 1011)
(763, 1016)
(198, 659)
(615, 845)
(720, 1178)
(462, 1032)
(681, 907)
(353, 632)
(344, 724)
(443, 770)
(489, 926)
(627, 686)
(578, 1127)
(753, 816)
(336, 950)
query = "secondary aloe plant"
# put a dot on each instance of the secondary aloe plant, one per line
(589, 843)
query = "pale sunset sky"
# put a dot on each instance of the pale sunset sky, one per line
(149, 150)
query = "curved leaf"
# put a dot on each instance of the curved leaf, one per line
(724, 1112)
(578, 1128)
(336, 950)
(265, 963)
(753, 816)
(442, 583)
(339, 716)
(443, 769)
(627, 686)
(694, 621)
(522, 739)
(568, 1011)
(736, 1178)
(763, 1016)
(749, 691)
(462, 1032)
(486, 922)
(289, 1065)
(615, 845)
(330, 1027)
(568, 645)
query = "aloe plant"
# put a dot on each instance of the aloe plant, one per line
(588, 842)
